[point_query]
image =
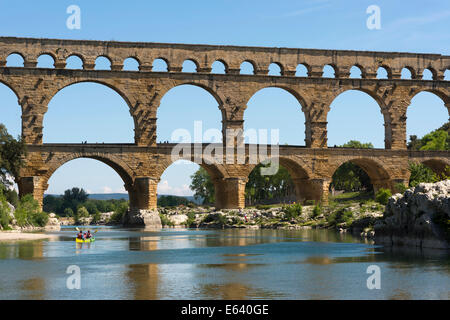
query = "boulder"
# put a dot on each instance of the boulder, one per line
(178, 219)
(148, 219)
(417, 218)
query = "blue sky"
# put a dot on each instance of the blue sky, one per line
(76, 113)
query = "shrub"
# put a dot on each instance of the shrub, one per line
(96, 217)
(383, 195)
(400, 187)
(340, 216)
(292, 211)
(4, 213)
(165, 220)
(28, 212)
(191, 220)
(39, 219)
(119, 212)
(82, 212)
(317, 211)
(68, 212)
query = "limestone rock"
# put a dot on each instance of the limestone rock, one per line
(414, 218)
(178, 219)
(142, 218)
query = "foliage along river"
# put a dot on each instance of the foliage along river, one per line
(218, 264)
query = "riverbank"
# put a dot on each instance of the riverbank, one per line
(342, 214)
(24, 236)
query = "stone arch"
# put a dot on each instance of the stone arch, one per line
(432, 71)
(385, 68)
(279, 65)
(46, 54)
(411, 71)
(376, 170)
(305, 187)
(223, 62)
(379, 101)
(105, 57)
(252, 63)
(215, 171)
(135, 59)
(207, 89)
(357, 69)
(10, 103)
(290, 90)
(166, 61)
(13, 53)
(306, 67)
(438, 166)
(120, 166)
(291, 93)
(197, 66)
(439, 93)
(330, 66)
(79, 56)
(211, 91)
(11, 88)
(70, 82)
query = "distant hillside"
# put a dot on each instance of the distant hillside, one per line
(118, 196)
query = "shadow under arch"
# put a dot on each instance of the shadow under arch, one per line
(378, 174)
(438, 166)
(216, 173)
(299, 177)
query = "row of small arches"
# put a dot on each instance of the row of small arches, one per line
(219, 67)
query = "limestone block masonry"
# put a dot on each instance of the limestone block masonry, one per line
(141, 164)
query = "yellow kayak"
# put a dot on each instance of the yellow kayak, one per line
(84, 241)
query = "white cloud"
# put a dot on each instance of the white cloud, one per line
(165, 188)
(107, 190)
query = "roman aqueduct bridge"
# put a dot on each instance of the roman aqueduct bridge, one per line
(141, 164)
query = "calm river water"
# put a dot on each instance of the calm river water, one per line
(219, 264)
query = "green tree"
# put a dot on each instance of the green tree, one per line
(420, 173)
(349, 176)
(82, 212)
(11, 155)
(28, 212)
(72, 198)
(202, 186)
(383, 196)
(68, 212)
(436, 140)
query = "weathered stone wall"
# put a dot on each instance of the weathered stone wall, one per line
(141, 168)
(141, 164)
(143, 90)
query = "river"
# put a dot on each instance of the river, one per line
(218, 264)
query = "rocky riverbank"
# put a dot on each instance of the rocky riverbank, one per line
(52, 224)
(419, 218)
(357, 218)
